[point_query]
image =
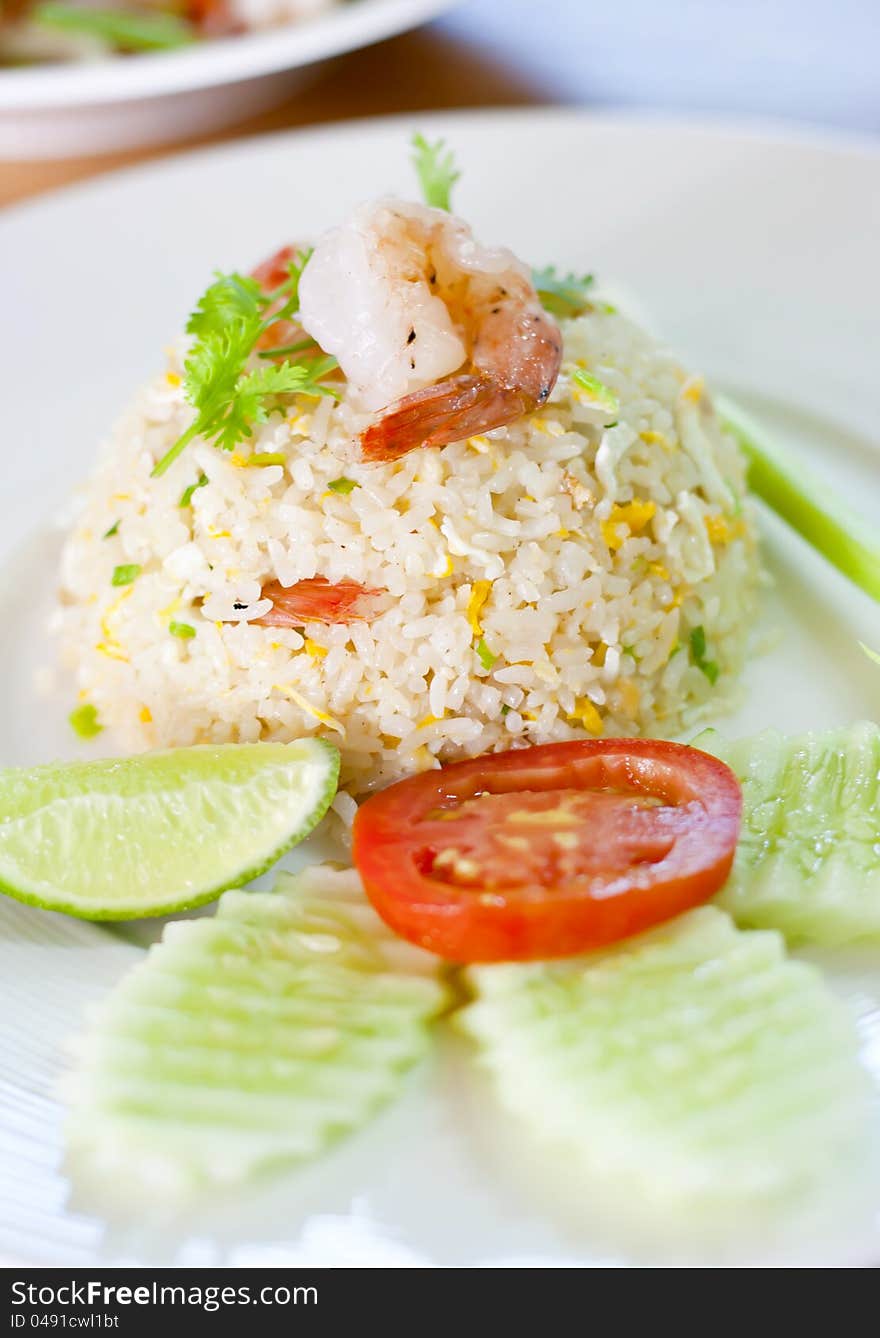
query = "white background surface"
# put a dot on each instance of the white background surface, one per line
(813, 60)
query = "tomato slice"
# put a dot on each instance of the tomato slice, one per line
(548, 851)
(270, 274)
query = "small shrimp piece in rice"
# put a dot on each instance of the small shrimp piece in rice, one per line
(405, 297)
(319, 601)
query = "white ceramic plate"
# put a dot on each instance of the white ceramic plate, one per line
(52, 111)
(755, 254)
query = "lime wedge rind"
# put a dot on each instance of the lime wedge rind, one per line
(161, 832)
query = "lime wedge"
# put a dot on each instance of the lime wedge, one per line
(252, 1038)
(160, 832)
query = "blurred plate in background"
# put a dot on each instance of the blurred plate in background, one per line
(56, 111)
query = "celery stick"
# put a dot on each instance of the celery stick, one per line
(807, 503)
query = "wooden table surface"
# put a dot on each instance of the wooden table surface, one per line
(420, 71)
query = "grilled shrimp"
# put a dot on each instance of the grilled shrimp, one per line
(445, 335)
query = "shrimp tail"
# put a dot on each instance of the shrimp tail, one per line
(449, 411)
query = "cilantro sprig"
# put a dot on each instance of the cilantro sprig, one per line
(229, 299)
(230, 398)
(436, 170)
(562, 295)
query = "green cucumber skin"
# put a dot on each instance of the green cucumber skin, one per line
(206, 895)
(811, 871)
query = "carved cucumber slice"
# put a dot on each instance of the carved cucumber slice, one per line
(257, 1036)
(808, 859)
(692, 1068)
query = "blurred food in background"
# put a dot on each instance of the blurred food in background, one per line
(40, 31)
(188, 68)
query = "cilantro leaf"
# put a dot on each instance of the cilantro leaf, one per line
(562, 294)
(230, 298)
(228, 322)
(436, 170)
(295, 267)
(255, 395)
(253, 398)
(214, 366)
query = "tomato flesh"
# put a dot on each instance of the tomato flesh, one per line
(548, 851)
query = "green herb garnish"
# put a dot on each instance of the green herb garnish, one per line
(231, 316)
(184, 630)
(262, 459)
(255, 396)
(600, 394)
(125, 574)
(230, 298)
(187, 495)
(436, 170)
(562, 294)
(124, 30)
(505, 709)
(871, 654)
(698, 655)
(84, 721)
(114, 529)
(342, 485)
(484, 654)
(285, 350)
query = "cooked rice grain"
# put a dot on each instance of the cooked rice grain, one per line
(578, 552)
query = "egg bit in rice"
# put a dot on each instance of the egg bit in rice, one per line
(400, 491)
